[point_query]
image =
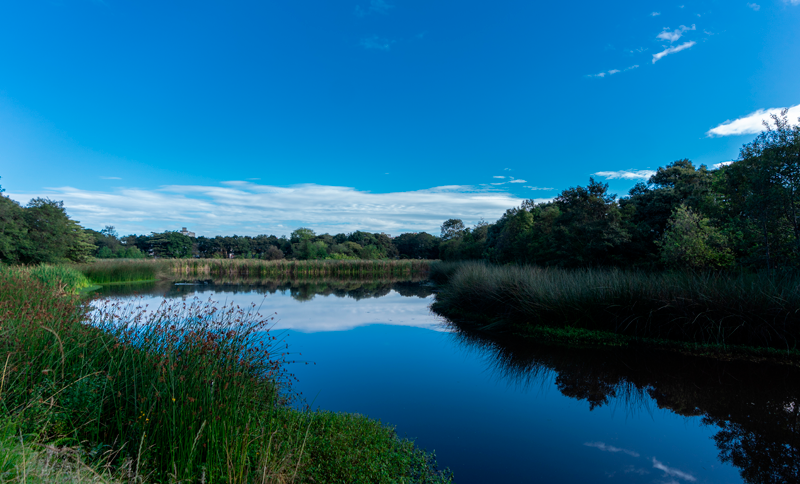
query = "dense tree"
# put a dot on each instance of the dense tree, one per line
(173, 245)
(589, 227)
(417, 245)
(761, 195)
(452, 228)
(649, 206)
(690, 241)
(13, 231)
(52, 235)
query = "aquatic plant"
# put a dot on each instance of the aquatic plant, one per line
(111, 271)
(717, 308)
(300, 268)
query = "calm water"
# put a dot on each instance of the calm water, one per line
(494, 412)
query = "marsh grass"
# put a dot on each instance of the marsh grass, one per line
(128, 271)
(189, 391)
(298, 269)
(115, 271)
(719, 309)
(61, 278)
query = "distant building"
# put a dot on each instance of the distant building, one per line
(184, 231)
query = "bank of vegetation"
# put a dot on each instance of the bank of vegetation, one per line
(182, 393)
(116, 271)
(720, 311)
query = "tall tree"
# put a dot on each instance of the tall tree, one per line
(589, 228)
(761, 192)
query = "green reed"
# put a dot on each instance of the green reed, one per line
(60, 277)
(111, 271)
(186, 392)
(297, 269)
(714, 308)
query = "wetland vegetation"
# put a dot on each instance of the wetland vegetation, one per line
(718, 309)
(184, 392)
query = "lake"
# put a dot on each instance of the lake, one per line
(494, 410)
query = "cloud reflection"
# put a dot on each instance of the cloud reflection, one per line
(671, 471)
(610, 448)
(331, 313)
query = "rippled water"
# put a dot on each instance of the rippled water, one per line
(498, 411)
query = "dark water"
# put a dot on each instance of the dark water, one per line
(497, 412)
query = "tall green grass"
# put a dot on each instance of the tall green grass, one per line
(62, 278)
(296, 269)
(185, 392)
(722, 309)
(110, 271)
(131, 270)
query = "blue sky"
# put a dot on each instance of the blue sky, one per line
(381, 115)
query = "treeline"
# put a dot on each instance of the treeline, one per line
(42, 232)
(744, 214)
(302, 244)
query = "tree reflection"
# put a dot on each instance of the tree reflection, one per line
(754, 405)
(300, 290)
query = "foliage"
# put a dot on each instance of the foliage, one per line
(691, 242)
(761, 196)
(41, 232)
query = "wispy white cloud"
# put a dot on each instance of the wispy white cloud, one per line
(497, 176)
(792, 2)
(754, 6)
(110, 178)
(518, 181)
(376, 43)
(674, 35)
(247, 208)
(753, 122)
(671, 471)
(722, 163)
(672, 50)
(375, 6)
(612, 72)
(626, 174)
(655, 14)
(610, 448)
(540, 188)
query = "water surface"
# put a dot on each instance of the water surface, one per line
(497, 411)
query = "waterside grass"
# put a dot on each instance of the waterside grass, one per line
(116, 271)
(126, 271)
(749, 310)
(186, 392)
(60, 278)
(299, 268)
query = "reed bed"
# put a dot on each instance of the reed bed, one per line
(711, 308)
(190, 391)
(123, 271)
(297, 269)
(61, 278)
